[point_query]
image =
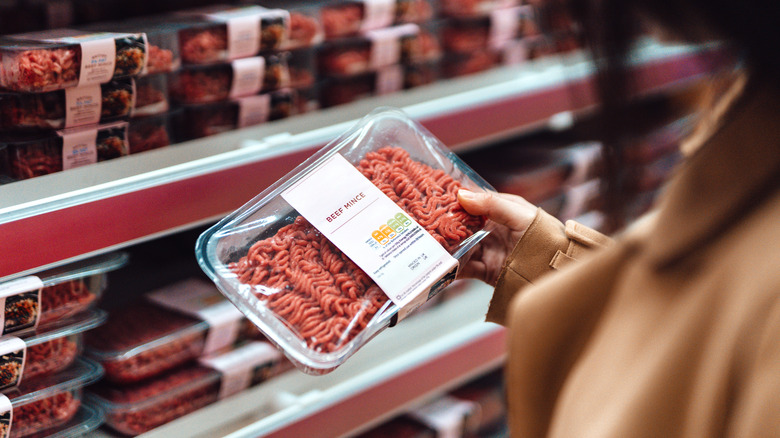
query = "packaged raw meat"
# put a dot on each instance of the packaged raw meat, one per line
(249, 29)
(493, 31)
(140, 407)
(307, 99)
(86, 420)
(149, 337)
(152, 132)
(52, 349)
(207, 119)
(33, 155)
(305, 26)
(346, 18)
(302, 64)
(151, 95)
(338, 90)
(65, 58)
(43, 406)
(200, 42)
(371, 51)
(415, 11)
(423, 73)
(474, 8)
(239, 78)
(68, 108)
(162, 41)
(319, 289)
(463, 64)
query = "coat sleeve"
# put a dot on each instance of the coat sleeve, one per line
(547, 245)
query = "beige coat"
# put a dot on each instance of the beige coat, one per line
(673, 330)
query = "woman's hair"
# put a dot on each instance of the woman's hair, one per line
(748, 28)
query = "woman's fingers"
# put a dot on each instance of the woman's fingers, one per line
(510, 210)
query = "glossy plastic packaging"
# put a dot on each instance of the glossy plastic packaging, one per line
(69, 108)
(305, 25)
(474, 8)
(350, 17)
(64, 58)
(140, 407)
(163, 41)
(239, 78)
(152, 132)
(50, 351)
(338, 90)
(213, 118)
(371, 51)
(493, 32)
(48, 405)
(151, 95)
(314, 335)
(29, 156)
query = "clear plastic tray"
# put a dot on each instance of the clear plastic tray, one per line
(87, 419)
(51, 350)
(47, 61)
(163, 41)
(152, 132)
(151, 95)
(371, 51)
(142, 340)
(305, 25)
(338, 90)
(42, 405)
(108, 102)
(316, 336)
(138, 408)
(212, 83)
(33, 155)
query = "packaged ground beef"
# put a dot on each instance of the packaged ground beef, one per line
(350, 17)
(49, 404)
(25, 156)
(151, 95)
(65, 58)
(338, 90)
(52, 349)
(348, 243)
(239, 78)
(69, 108)
(493, 31)
(171, 326)
(140, 407)
(152, 132)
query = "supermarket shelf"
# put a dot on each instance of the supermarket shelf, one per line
(69, 215)
(424, 356)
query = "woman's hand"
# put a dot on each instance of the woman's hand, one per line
(511, 214)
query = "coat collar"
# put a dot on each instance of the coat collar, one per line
(722, 181)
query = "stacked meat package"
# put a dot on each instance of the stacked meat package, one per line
(43, 321)
(180, 348)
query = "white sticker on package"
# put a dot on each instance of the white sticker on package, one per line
(447, 416)
(98, 58)
(243, 36)
(247, 76)
(389, 80)
(253, 110)
(12, 360)
(6, 416)
(240, 366)
(83, 105)
(79, 148)
(515, 52)
(202, 300)
(394, 250)
(503, 27)
(377, 14)
(22, 298)
(386, 44)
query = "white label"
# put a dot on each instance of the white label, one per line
(6, 416)
(243, 36)
(12, 360)
(83, 105)
(389, 80)
(20, 304)
(377, 14)
(447, 416)
(79, 148)
(253, 110)
(515, 52)
(240, 368)
(98, 58)
(202, 300)
(247, 76)
(386, 44)
(503, 27)
(394, 250)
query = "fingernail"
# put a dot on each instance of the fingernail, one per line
(466, 194)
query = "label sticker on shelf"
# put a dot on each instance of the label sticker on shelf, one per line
(202, 300)
(377, 14)
(407, 263)
(79, 148)
(248, 76)
(243, 367)
(13, 353)
(20, 300)
(6, 416)
(253, 110)
(83, 105)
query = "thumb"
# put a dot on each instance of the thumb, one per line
(510, 210)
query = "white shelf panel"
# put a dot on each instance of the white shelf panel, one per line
(69, 215)
(423, 356)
